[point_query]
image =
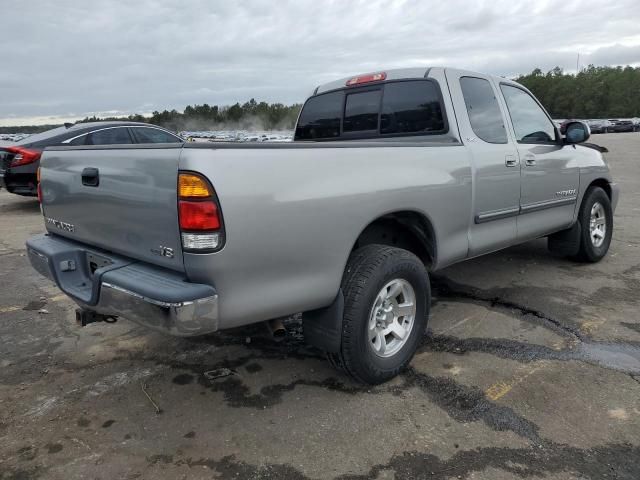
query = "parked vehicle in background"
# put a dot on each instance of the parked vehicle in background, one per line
(617, 126)
(19, 162)
(12, 137)
(597, 126)
(636, 124)
(390, 176)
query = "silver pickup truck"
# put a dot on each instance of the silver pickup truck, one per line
(391, 175)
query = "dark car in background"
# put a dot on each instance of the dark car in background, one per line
(620, 126)
(597, 126)
(19, 162)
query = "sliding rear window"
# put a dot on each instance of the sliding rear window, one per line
(361, 112)
(400, 108)
(320, 117)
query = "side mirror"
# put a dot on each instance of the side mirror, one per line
(576, 132)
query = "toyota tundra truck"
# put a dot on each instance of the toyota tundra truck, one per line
(390, 176)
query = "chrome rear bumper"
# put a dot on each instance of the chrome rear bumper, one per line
(184, 319)
(156, 298)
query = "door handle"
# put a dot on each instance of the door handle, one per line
(90, 177)
(510, 161)
(529, 160)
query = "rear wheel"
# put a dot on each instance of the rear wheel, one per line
(387, 295)
(596, 220)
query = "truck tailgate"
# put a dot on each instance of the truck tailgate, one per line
(123, 199)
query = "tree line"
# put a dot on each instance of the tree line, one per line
(251, 115)
(594, 92)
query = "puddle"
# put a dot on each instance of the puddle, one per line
(622, 357)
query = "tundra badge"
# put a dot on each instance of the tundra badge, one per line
(67, 227)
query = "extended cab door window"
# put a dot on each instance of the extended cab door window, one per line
(483, 110)
(530, 122)
(110, 136)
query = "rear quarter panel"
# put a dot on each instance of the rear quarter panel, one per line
(292, 216)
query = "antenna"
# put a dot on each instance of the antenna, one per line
(578, 64)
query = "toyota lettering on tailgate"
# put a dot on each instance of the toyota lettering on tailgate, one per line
(67, 227)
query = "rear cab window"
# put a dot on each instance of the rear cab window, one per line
(394, 108)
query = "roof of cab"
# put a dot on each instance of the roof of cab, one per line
(394, 74)
(399, 74)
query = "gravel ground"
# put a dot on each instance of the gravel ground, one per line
(530, 369)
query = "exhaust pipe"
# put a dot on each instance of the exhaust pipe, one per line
(276, 329)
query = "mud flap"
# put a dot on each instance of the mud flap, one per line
(566, 242)
(322, 328)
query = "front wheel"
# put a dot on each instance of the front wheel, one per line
(596, 221)
(387, 296)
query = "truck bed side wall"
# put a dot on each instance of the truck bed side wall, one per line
(292, 216)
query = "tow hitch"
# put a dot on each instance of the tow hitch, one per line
(85, 317)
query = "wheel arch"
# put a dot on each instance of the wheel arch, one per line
(407, 229)
(600, 180)
(602, 183)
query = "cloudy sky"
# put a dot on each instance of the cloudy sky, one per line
(67, 59)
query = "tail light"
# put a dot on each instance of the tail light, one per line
(23, 156)
(199, 214)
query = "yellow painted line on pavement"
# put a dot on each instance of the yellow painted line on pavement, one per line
(590, 326)
(9, 309)
(58, 298)
(500, 389)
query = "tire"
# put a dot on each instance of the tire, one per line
(375, 273)
(594, 247)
